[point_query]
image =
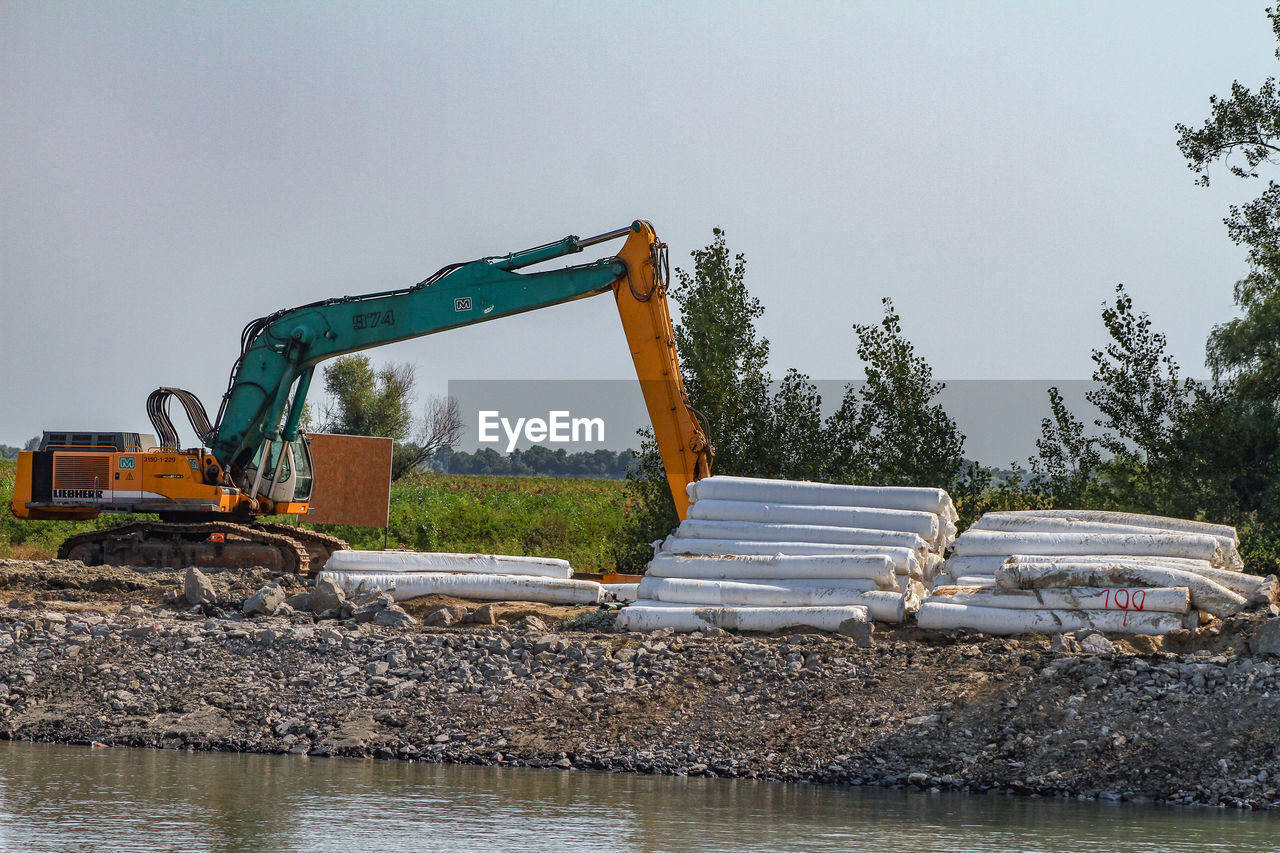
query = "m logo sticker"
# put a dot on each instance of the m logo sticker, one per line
(462, 303)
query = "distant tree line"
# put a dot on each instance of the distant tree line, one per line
(8, 452)
(537, 461)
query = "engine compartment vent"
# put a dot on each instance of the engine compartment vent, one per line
(81, 471)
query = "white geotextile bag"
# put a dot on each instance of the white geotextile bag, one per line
(756, 532)
(885, 606)
(1206, 595)
(995, 542)
(878, 568)
(1052, 524)
(1135, 600)
(905, 560)
(927, 525)
(621, 591)
(936, 501)
(1234, 580)
(947, 579)
(1157, 522)
(478, 585)
(987, 565)
(419, 561)
(983, 564)
(646, 615)
(1186, 564)
(941, 616)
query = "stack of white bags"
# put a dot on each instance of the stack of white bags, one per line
(761, 555)
(486, 577)
(1066, 570)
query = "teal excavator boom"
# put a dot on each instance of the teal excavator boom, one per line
(270, 379)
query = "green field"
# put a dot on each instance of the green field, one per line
(576, 520)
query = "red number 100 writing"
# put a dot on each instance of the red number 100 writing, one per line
(1124, 600)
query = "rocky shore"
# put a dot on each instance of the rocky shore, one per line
(95, 657)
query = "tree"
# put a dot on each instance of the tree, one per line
(1138, 459)
(1164, 444)
(1231, 430)
(368, 402)
(797, 444)
(378, 403)
(1068, 461)
(722, 359)
(1144, 405)
(891, 431)
(440, 426)
(1243, 132)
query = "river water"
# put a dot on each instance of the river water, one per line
(56, 798)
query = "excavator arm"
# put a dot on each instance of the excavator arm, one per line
(646, 321)
(270, 379)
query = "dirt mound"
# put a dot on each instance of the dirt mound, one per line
(48, 582)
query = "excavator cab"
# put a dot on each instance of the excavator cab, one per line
(288, 480)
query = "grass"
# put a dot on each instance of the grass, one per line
(576, 520)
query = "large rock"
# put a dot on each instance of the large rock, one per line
(444, 616)
(860, 630)
(1266, 639)
(371, 605)
(327, 595)
(265, 601)
(300, 601)
(1064, 644)
(1267, 593)
(533, 623)
(394, 617)
(197, 589)
(482, 615)
(1094, 643)
(365, 594)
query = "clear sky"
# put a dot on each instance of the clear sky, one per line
(170, 171)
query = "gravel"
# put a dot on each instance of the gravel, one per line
(1187, 719)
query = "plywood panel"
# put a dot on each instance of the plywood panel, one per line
(353, 480)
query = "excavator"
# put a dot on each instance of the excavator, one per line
(255, 462)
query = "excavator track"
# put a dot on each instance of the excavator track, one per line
(319, 545)
(211, 544)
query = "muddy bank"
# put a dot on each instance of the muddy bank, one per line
(1192, 721)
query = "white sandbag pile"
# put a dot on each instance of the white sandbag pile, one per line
(485, 577)
(793, 553)
(1064, 570)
